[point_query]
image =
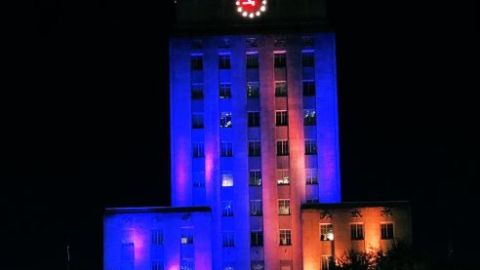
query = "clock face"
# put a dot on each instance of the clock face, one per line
(251, 8)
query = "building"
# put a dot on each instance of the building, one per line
(254, 136)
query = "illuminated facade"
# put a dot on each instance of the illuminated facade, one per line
(254, 136)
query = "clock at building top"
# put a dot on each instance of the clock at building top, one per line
(251, 8)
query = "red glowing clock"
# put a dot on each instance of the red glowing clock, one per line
(251, 8)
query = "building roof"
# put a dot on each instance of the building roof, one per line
(355, 204)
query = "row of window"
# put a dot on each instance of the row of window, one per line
(279, 60)
(356, 231)
(253, 90)
(256, 208)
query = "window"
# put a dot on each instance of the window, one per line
(326, 232)
(196, 62)
(197, 91)
(228, 239)
(257, 265)
(199, 179)
(226, 120)
(282, 148)
(254, 149)
(256, 207)
(225, 90)
(356, 231)
(157, 237)
(253, 119)
(279, 60)
(256, 238)
(283, 207)
(283, 177)
(252, 60)
(227, 179)
(197, 120)
(224, 61)
(327, 262)
(311, 175)
(227, 209)
(187, 264)
(186, 238)
(226, 149)
(386, 230)
(309, 117)
(197, 150)
(281, 89)
(285, 237)
(310, 147)
(281, 118)
(253, 89)
(308, 88)
(307, 59)
(156, 265)
(255, 178)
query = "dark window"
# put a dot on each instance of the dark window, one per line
(308, 88)
(197, 120)
(226, 120)
(256, 207)
(196, 62)
(280, 60)
(253, 119)
(256, 238)
(311, 176)
(387, 230)
(227, 208)
(309, 117)
(255, 178)
(285, 237)
(307, 59)
(225, 90)
(228, 239)
(197, 91)
(281, 89)
(157, 237)
(281, 118)
(356, 231)
(198, 150)
(199, 179)
(157, 265)
(226, 149)
(254, 149)
(310, 147)
(253, 90)
(252, 60)
(282, 148)
(224, 61)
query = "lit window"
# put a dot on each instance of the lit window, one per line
(256, 208)
(311, 176)
(285, 237)
(226, 120)
(308, 88)
(252, 60)
(281, 89)
(228, 239)
(279, 60)
(283, 177)
(284, 207)
(309, 117)
(186, 239)
(281, 118)
(227, 209)
(255, 178)
(227, 180)
(196, 62)
(356, 231)
(224, 61)
(253, 119)
(157, 237)
(310, 147)
(225, 90)
(256, 238)
(308, 59)
(254, 149)
(282, 148)
(226, 149)
(327, 262)
(197, 120)
(326, 232)
(253, 89)
(198, 150)
(386, 230)
(197, 91)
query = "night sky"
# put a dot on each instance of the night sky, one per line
(89, 126)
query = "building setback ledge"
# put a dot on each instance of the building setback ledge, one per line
(155, 209)
(307, 206)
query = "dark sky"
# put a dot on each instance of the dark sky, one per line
(88, 125)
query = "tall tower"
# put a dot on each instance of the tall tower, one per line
(254, 135)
